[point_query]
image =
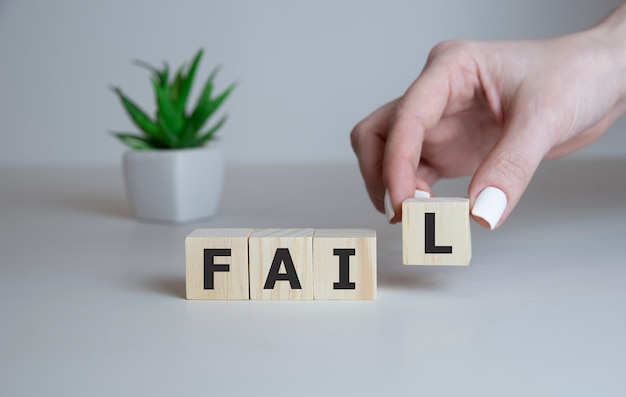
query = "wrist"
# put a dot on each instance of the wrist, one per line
(611, 34)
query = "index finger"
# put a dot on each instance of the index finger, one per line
(418, 111)
(368, 141)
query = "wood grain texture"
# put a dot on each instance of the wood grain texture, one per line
(231, 281)
(433, 226)
(344, 264)
(281, 248)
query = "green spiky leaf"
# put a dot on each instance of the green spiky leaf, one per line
(171, 138)
(201, 111)
(164, 75)
(177, 86)
(171, 116)
(187, 81)
(137, 142)
(138, 116)
(161, 74)
(209, 135)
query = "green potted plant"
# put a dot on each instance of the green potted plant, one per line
(173, 170)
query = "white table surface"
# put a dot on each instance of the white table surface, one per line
(92, 301)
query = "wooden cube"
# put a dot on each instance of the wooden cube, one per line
(217, 264)
(281, 264)
(436, 231)
(344, 264)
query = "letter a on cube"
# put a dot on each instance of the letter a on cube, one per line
(281, 264)
(217, 264)
(436, 231)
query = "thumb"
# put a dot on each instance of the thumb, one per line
(501, 179)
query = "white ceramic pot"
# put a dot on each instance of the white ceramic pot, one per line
(174, 185)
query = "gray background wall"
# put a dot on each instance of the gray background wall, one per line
(308, 71)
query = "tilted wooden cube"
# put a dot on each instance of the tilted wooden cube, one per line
(217, 264)
(436, 231)
(344, 263)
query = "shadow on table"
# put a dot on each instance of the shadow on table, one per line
(412, 281)
(170, 286)
(175, 286)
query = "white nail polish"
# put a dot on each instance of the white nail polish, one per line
(388, 207)
(490, 205)
(421, 194)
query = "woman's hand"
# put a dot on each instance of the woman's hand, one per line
(493, 110)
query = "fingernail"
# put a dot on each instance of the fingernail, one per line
(490, 205)
(389, 207)
(421, 194)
